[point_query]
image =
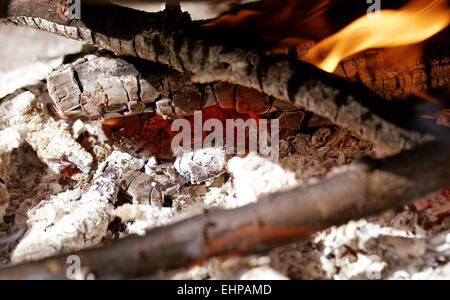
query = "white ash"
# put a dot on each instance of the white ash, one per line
(194, 273)
(140, 218)
(49, 186)
(263, 273)
(255, 175)
(11, 138)
(150, 165)
(109, 173)
(201, 165)
(74, 220)
(93, 128)
(395, 245)
(78, 128)
(23, 182)
(51, 138)
(27, 187)
(249, 267)
(221, 193)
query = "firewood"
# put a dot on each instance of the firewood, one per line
(365, 188)
(429, 75)
(172, 39)
(392, 78)
(101, 86)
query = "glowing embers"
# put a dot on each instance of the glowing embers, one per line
(212, 126)
(146, 131)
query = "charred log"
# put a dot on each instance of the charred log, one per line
(103, 87)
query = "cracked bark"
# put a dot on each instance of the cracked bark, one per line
(365, 188)
(173, 40)
(428, 76)
(103, 86)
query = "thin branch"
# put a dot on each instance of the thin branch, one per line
(366, 188)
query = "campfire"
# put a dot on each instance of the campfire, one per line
(263, 139)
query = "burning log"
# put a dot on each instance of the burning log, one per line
(429, 75)
(365, 188)
(99, 86)
(392, 78)
(175, 41)
(167, 92)
(114, 87)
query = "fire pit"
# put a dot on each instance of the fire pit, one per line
(167, 147)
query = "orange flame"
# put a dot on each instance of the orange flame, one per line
(291, 23)
(232, 20)
(413, 23)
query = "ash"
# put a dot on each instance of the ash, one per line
(65, 187)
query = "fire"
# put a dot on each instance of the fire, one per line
(413, 23)
(294, 22)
